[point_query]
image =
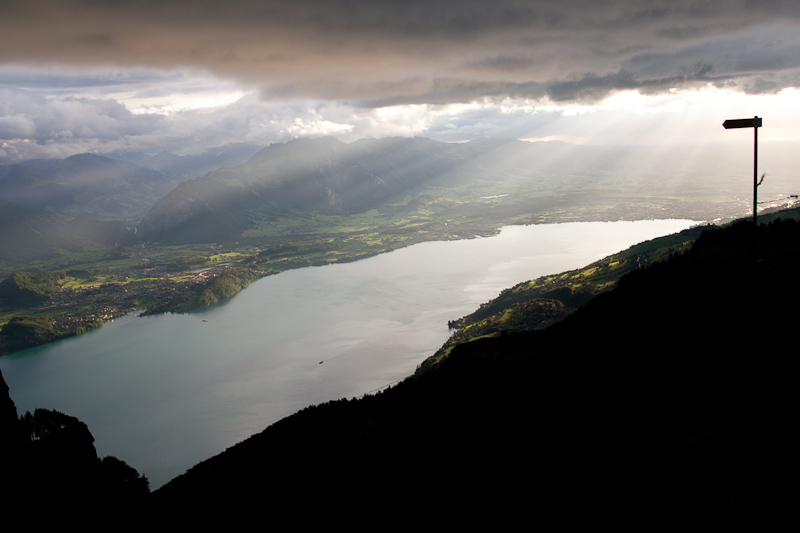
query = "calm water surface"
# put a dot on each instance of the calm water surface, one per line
(165, 392)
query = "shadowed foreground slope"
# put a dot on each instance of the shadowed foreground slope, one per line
(666, 402)
(48, 462)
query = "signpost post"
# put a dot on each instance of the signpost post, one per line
(754, 123)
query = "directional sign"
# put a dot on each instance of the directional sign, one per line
(754, 122)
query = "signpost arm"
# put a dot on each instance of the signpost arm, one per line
(754, 123)
(755, 171)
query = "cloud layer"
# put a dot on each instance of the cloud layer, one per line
(383, 51)
(99, 75)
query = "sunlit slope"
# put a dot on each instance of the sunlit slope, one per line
(304, 177)
(287, 189)
(539, 303)
(542, 302)
(324, 176)
(506, 179)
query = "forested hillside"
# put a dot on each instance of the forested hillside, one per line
(661, 403)
(539, 303)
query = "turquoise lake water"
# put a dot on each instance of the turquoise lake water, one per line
(165, 392)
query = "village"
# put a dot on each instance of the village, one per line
(75, 308)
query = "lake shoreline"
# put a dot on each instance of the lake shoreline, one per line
(222, 373)
(190, 295)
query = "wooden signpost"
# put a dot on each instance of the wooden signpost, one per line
(754, 123)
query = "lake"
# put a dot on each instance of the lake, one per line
(165, 392)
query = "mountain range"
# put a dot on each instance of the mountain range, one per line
(88, 185)
(505, 180)
(308, 176)
(305, 177)
(116, 186)
(184, 167)
(51, 206)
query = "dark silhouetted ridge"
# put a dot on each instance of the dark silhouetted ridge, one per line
(665, 403)
(49, 464)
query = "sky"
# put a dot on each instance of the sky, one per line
(187, 75)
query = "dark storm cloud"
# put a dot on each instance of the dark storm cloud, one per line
(54, 82)
(385, 51)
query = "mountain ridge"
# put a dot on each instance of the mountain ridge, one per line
(323, 176)
(86, 184)
(305, 175)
